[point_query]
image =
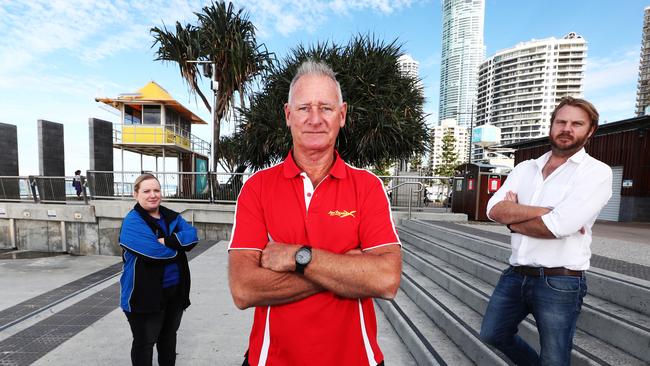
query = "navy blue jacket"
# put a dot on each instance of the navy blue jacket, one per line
(145, 258)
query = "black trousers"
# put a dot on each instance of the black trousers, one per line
(157, 328)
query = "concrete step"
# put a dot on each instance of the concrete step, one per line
(460, 322)
(631, 293)
(607, 319)
(474, 293)
(428, 344)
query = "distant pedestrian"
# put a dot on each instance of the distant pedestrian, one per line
(426, 199)
(155, 282)
(550, 205)
(76, 183)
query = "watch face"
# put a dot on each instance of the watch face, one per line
(303, 256)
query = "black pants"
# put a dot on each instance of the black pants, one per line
(156, 328)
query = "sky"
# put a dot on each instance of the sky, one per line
(57, 56)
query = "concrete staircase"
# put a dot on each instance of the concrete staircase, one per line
(448, 276)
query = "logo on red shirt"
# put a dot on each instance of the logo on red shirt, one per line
(342, 214)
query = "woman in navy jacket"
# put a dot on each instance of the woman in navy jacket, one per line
(155, 283)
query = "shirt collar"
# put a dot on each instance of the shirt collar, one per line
(575, 158)
(292, 170)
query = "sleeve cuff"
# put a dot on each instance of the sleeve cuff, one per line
(172, 242)
(549, 221)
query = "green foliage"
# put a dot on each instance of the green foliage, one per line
(230, 152)
(415, 162)
(385, 119)
(448, 157)
(224, 36)
(381, 168)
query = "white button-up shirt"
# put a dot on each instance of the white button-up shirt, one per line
(576, 192)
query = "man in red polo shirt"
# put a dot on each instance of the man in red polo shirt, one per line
(313, 242)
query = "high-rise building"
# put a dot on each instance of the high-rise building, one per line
(462, 53)
(643, 89)
(461, 135)
(519, 87)
(408, 66)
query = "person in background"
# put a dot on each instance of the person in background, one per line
(155, 282)
(76, 183)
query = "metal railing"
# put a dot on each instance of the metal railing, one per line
(421, 193)
(41, 189)
(434, 193)
(151, 134)
(16, 189)
(420, 188)
(175, 186)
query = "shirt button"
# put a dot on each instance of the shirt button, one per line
(308, 194)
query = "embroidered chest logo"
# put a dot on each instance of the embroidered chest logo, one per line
(342, 214)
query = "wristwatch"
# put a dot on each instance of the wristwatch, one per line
(303, 257)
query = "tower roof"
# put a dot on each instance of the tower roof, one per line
(152, 93)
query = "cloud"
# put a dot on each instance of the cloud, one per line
(286, 17)
(88, 30)
(91, 31)
(611, 82)
(605, 73)
(615, 106)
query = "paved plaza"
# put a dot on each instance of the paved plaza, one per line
(63, 310)
(89, 328)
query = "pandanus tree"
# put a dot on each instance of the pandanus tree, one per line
(385, 120)
(224, 37)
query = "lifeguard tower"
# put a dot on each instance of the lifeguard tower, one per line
(154, 124)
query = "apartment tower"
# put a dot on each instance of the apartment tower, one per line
(462, 53)
(643, 89)
(519, 87)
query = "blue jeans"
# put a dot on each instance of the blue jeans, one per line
(555, 303)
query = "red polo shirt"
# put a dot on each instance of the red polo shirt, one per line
(349, 209)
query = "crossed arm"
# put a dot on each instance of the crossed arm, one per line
(268, 278)
(522, 219)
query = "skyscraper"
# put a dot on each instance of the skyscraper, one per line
(519, 87)
(462, 53)
(461, 145)
(408, 66)
(643, 88)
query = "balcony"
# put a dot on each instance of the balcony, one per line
(149, 139)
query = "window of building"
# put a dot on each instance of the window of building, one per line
(151, 114)
(132, 116)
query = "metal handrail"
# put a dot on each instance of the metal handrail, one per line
(194, 142)
(212, 187)
(421, 188)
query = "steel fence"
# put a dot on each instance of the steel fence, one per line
(413, 192)
(41, 189)
(16, 189)
(175, 186)
(402, 191)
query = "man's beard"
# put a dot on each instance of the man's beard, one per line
(573, 147)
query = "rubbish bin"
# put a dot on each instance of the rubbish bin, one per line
(473, 188)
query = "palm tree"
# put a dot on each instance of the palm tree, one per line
(225, 37)
(385, 120)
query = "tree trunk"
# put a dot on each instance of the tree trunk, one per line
(216, 131)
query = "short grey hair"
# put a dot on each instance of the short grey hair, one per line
(318, 68)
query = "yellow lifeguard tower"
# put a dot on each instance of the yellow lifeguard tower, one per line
(155, 124)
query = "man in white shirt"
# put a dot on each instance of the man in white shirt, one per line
(550, 205)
